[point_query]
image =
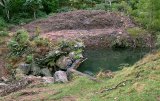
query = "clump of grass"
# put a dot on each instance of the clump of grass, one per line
(136, 32)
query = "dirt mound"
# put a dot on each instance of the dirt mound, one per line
(84, 24)
(83, 19)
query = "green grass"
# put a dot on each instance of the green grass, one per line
(144, 84)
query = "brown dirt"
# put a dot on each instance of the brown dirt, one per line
(84, 24)
(31, 94)
(4, 73)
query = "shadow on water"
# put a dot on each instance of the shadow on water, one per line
(110, 59)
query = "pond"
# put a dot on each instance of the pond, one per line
(110, 59)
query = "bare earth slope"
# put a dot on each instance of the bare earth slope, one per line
(83, 24)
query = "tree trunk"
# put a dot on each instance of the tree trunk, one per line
(34, 14)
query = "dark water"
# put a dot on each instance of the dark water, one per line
(109, 59)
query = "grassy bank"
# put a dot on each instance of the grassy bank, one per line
(140, 82)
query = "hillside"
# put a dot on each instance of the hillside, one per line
(139, 82)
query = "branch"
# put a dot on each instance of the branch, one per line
(115, 87)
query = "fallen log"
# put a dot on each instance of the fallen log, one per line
(115, 87)
(75, 65)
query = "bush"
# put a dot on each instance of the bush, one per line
(65, 9)
(102, 6)
(50, 6)
(19, 43)
(3, 24)
(3, 33)
(29, 58)
(136, 32)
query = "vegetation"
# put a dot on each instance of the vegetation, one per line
(140, 82)
(38, 51)
(147, 15)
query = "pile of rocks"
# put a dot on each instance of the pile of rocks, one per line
(57, 73)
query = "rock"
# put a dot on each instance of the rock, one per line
(48, 79)
(25, 68)
(60, 77)
(35, 69)
(46, 72)
(5, 79)
(72, 55)
(64, 62)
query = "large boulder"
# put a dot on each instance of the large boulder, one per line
(60, 77)
(22, 70)
(35, 69)
(64, 62)
(46, 72)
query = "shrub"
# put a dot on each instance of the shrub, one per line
(102, 6)
(3, 33)
(136, 32)
(65, 9)
(3, 24)
(22, 37)
(50, 5)
(19, 43)
(29, 58)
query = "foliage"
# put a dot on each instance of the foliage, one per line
(34, 6)
(5, 5)
(136, 31)
(3, 24)
(120, 42)
(50, 5)
(19, 43)
(3, 33)
(147, 15)
(65, 9)
(37, 51)
(29, 58)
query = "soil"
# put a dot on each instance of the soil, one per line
(31, 94)
(83, 24)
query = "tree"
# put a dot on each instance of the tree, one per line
(50, 5)
(34, 6)
(5, 4)
(154, 14)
